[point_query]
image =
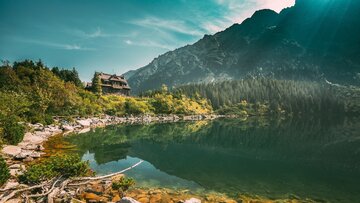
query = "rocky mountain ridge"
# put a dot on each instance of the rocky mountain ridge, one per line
(313, 40)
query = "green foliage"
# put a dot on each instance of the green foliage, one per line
(293, 97)
(165, 102)
(34, 93)
(247, 109)
(58, 165)
(137, 106)
(31, 92)
(96, 84)
(123, 184)
(4, 171)
(68, 75)
(12, 131)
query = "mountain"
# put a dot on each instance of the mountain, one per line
(313, 40)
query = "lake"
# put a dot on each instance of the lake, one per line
(278, 158)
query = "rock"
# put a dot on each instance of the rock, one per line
(116, 198)
(11, 184)
(16, 200)
(40, 135)
(24, 154)
(68, 128)
(15, 166)
(28, 159)
(25, 145)
(92, 197)
(35, 155)
(84, 123)
(143, 199)
(155, 198)
(85, 130)
(11, 150)
(40, 148)
(34, 139)
(127, 200)
(192, 200)
(15, 172)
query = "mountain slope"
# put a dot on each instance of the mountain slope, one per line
(313, 40)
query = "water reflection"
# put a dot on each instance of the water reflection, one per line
(307, 157)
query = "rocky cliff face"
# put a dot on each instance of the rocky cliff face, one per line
(314, 40)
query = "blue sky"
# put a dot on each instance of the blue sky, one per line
(113, 36)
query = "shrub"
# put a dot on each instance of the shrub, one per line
(64, 165)
(123, 184)
(4, 171)
(13, 132)
(48, 120)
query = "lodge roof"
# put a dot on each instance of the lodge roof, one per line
(114, 78)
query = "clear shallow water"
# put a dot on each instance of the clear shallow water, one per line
(309, 158)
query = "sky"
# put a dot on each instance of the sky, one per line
(113, 36)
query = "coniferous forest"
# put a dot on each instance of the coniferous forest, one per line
(287, 96)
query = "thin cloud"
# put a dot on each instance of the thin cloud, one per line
(240, 10)
(56, 45)
(177, 26)
(98, 33)
(149, 43)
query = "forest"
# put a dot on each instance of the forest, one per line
(274, 96)
(31, 92)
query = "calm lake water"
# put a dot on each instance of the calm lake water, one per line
(309, 158)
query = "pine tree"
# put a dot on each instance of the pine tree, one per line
(96, 84)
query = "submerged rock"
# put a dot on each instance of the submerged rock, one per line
(127, 200)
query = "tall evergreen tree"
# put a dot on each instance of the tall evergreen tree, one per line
(96, 84)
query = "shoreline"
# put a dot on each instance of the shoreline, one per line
(31, 147)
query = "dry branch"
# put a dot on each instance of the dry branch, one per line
(53, 191)
(109, 175)
(13, 193)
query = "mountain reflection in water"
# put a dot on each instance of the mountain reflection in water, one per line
(311, 158)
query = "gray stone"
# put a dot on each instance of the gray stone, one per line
(11, 184)
(85, 130)
(192, 200)
(24, 154)
(35, 155)
(84, 123)
(35, 139)
(68, 128)
(127, 200)
(40, 135)
(28, 159)
(15, 172)
(15, 166)
(11, 150)
(16, 200)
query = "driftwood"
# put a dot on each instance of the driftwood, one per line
(13, 193)
(46, 193)
(51, 190)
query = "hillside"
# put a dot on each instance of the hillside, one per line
(313, 40)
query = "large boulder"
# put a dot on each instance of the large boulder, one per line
(84, 123)
(33, 139)
(11, 150)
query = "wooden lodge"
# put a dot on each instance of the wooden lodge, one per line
(113, 84)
